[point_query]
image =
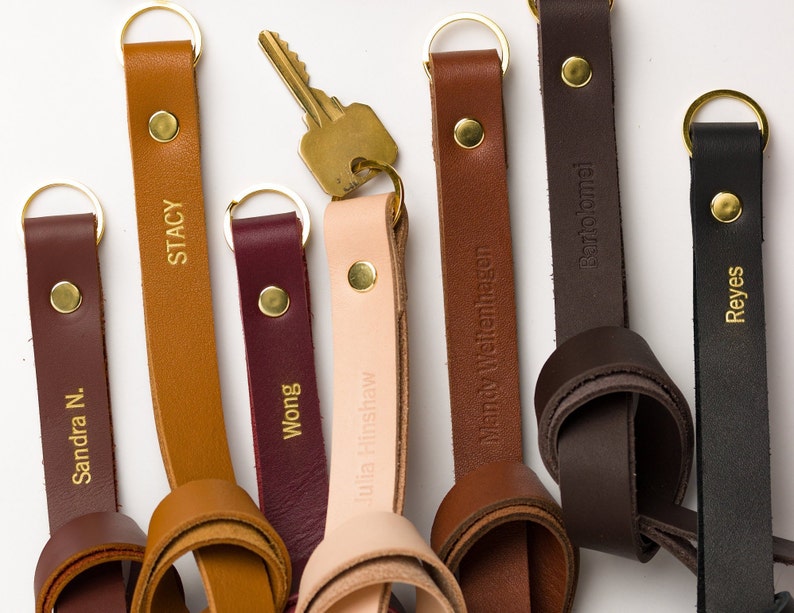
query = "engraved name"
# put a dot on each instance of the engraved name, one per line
(586, 214)
(486, 362)
(79, 437)
(175, 245)
(736, 297)
(291, 423)
(365, 442)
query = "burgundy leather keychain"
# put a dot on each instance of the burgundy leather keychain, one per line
(285, 407)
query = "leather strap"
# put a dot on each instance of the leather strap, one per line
(285, 407)
(734, 491)
(614, 430)
(367, 544)
(78, 569)
(179, 328)
(498, 526)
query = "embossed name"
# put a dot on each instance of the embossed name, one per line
(291, 424)
(736, 297)
(365, 443)
(586, 213)
(486, 356)
(79, 438)
(175, 245)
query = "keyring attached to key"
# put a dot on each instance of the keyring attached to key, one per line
(262, 188)
(98, 211)
(399, 192)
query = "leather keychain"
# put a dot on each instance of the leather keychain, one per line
(285, 407)
(614, 430)
(80, 567)
(732, 415)
(498, 527)
(368, 543)
(243, 562)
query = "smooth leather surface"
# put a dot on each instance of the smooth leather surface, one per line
(180, 334)
(511, 551)
(734, 489)
(291, 468)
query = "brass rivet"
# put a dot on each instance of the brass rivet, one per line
(726, 207)
(576, 71)
(65, 297)
(163, 126)
(273, 301)
(469, 133)
(362, 276)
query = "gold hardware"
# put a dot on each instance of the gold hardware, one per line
(533, 6)
(576, 72)
(300, 205)
(500, 36)
(163, 126)
(469, 133)
(336, 134)
(726, 207)
(65, 297)
(763, 124)
(398, 202)
(273, 301)
(362, 276)
(165, 6)
(99, 213)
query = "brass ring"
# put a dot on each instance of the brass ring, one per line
(98, 211)
(399, 192)
(300, 205)
(724, 93)
(500, 36)
(166, 6)
(533, 6)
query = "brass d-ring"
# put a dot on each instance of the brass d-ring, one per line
(300, 205)
(399, 193)
(763, 124)
(165, 6)
(533, 6)
(500, 36)
(98, 212)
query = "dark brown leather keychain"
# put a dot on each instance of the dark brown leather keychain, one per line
(615, 431)
(498, 527)
(732, 414)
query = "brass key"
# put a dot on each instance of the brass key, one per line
(338, 135)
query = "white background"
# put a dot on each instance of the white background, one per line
(64, 115)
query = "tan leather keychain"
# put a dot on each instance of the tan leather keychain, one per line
(242, 560)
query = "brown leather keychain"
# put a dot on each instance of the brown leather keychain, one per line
(285, 408)
(80, 567)
(498, 527)
(243, 562)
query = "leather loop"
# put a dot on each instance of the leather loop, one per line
(501, 493)
(201, 515)
(371, 549)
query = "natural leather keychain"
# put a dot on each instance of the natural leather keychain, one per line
(498, 527)
(368, 543)
(243, 562)
(285, 407)
(80, 567)
(614, 430)
(732, 415)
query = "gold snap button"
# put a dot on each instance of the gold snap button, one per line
(65, 297)
(362, 276)
(163, 126)
(576, 72)
(273, 301)
(469, 133)
(726, 207)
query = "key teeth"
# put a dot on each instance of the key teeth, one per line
(299, 65)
